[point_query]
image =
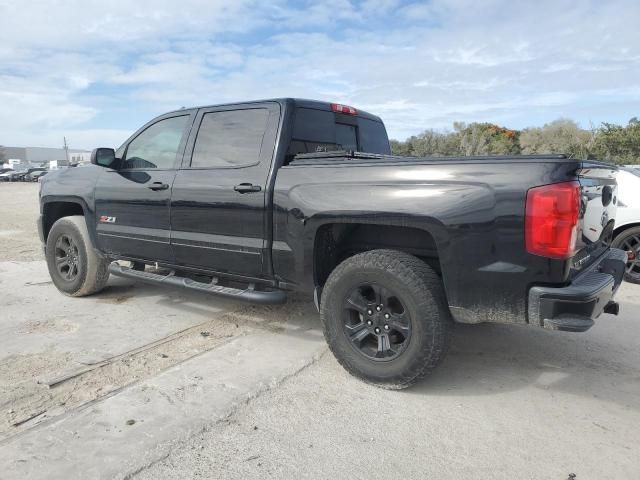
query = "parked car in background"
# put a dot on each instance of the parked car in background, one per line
(36, 176)
(6, 173)
(627, 232)
(17, 176)
(33, 174)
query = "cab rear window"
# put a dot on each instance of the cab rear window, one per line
(324, 131)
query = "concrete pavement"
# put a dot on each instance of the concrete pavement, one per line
(123, 433)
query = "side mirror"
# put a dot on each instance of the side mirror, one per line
(103, 157)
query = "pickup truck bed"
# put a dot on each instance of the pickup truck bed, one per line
(464, 216)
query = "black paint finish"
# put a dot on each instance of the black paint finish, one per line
(216, 224)
(473, 209)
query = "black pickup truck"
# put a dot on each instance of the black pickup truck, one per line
(254, 200)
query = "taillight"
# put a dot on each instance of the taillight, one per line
(336, 107)
(551, 219)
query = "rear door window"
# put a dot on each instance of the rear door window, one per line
(230, 138)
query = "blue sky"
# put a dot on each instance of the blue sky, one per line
(95, 71)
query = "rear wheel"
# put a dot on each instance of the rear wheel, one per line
(629, 241)
(75, 268)
(385, 317)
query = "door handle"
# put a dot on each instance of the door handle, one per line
(158, 186)
(247, 188)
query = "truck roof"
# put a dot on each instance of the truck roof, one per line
(292, 102)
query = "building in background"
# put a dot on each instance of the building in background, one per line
(79, 157)
(31, 157)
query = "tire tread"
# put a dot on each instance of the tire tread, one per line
(425, 284)
(96, 273)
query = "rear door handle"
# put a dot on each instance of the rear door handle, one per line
(247, 188)
(158, 186)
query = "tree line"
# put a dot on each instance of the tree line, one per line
(618, 144)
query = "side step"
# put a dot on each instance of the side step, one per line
(250, 294)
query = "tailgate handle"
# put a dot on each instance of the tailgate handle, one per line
(247, 188)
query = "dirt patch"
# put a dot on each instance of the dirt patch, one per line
(60, 324)
(26, 399)
(19, 395)
(19, 211)
(116, 299)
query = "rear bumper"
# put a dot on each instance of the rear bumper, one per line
(575, 307)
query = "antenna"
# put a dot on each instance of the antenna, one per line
(66, 149)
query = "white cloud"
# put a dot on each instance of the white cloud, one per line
(87, 67)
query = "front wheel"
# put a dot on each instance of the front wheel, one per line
(385, 317)
(75, 268)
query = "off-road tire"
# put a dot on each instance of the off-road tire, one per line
(423, 295)
(92, 269)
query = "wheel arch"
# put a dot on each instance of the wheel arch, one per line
(335, 242)
(55, 208)
(618, 230)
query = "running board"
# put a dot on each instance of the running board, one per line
(250, 294)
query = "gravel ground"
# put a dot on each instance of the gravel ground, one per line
(18, 214)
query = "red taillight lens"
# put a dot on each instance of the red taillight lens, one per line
(551, 218)
(336, 107)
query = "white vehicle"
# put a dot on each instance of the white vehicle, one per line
(627, 233)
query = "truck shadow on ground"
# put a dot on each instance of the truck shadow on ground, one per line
(488, 359)
(297, 316)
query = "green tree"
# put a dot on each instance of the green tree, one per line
(610, 142)
(560, 136)
(401, 148)
(618, 144)
(472, 139)
(428, 143)
(487, 139)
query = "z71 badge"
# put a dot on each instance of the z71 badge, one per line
(105, 219)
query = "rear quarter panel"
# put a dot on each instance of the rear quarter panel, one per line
(474, 210)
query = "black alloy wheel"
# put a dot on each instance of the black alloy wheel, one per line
(67, 257)
(76, 268)
(376, 322)
(385, 317)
